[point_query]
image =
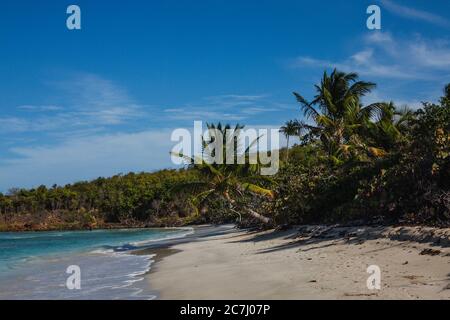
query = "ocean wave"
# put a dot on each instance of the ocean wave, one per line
(188, 231)
(107, 272)
(31, 236)
(136, 245)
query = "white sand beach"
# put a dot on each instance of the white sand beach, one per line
(308, 263)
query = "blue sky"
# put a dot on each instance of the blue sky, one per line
(102, 100)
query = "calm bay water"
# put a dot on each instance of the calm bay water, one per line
(33, 264)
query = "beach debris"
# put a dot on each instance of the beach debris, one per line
(415, 279)
(360, 294)
(283, 227)
(405, 263)
(430, 252)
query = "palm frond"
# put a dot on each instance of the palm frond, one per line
(257, 189)
(307, 108)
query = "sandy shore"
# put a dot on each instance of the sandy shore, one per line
(307, 263)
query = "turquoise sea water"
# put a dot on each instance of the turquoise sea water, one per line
(33, 264)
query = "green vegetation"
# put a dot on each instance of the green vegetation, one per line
(375, 163)
(126, 200)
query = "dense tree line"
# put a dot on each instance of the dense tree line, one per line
(131, 199)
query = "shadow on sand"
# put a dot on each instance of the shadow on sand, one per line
(326, 236)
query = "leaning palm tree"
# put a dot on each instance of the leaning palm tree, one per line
(229, 182)
(291, 128)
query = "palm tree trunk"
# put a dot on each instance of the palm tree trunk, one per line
(253, 213)
(287, 150)
(258, 216)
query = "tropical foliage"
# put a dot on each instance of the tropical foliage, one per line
(128, 200)
(230, 182)
(388, 164)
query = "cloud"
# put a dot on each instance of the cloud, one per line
(86, 158)
(367, 67)
(396, 65)
(234, 99)
(74, 139)
(99, 100)
(12, 124)
(230, 107)
(39, 108)
(377, 96)
(95, 102)
(90, 101)
(200, 113)
(113, 115)
(437, 57)
(415, 14)
(383, 56)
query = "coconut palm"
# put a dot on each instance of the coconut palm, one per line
(226, 181)
(390, 125)
(291, 128)
(339, 119)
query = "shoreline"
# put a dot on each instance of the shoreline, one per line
(307, 262)
(102, 228)
(108, 268)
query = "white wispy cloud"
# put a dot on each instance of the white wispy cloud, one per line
(80, 158)
(90, 101)
(40, 108)
(353, 63)
(396, 65)
(95, 102)
(415, 14)
(199, 113)
(100, 99)
(13, 124)
(232, 100)
(230, 107)
(377, 96)
(383, 56)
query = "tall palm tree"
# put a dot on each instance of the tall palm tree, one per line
(291, 128)
(226, 181)
(337, 113)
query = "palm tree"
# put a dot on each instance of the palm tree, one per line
(226, 181)
(337, 114)
(290, 128)
(390, 126)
